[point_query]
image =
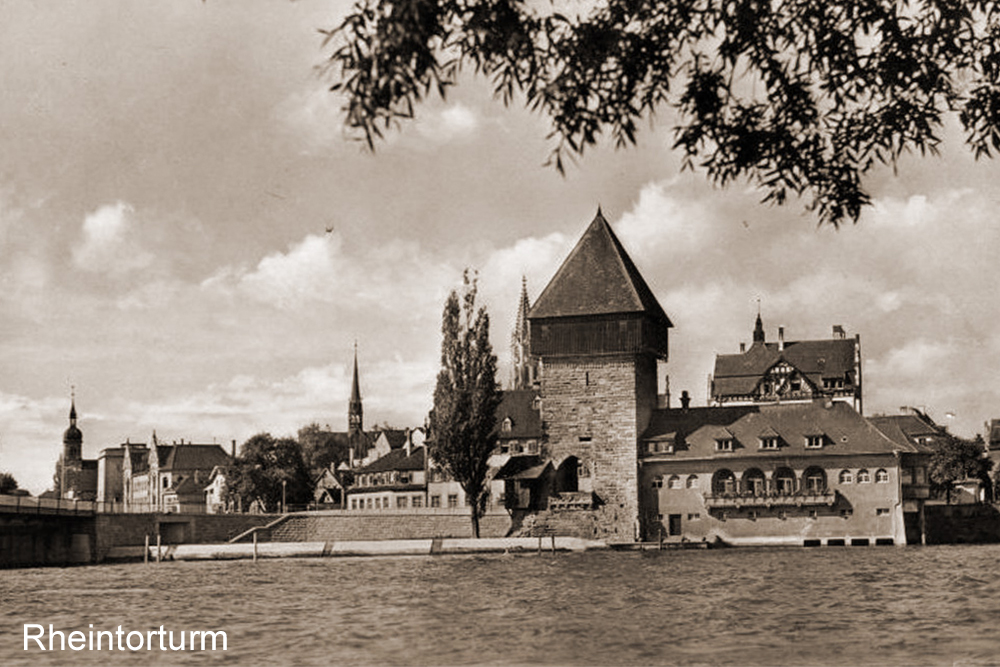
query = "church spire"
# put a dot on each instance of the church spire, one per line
(523, 369)
(354, 410)
(758, 329)
(72, 406)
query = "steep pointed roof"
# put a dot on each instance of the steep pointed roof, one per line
(523, 308)
(355, 390)
(597, 278)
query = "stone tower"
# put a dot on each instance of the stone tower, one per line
(599, 331)
(524, 367)
(355, 413)
(72, 456)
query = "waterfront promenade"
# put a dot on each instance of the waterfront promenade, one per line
(422, 547)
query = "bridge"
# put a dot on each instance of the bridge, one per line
(44, 531)
(49, 506)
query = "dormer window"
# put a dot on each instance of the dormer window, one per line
(769, 442)
(506, 425)
(815, 441)
(724, 445)
(661, 447)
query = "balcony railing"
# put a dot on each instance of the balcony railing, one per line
(774, 499)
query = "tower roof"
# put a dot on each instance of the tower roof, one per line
(597, 278)
(72, 434)
(355, 390)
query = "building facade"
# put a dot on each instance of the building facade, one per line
(782, 474)
(790, 371)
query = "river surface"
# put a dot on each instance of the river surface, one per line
(824, 606)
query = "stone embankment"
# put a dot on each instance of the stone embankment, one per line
(422, 547)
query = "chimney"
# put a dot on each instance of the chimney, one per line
(838, 332)
(685, 400)
(664, 398)
(781, 338)
(408, 445)
(743, 347)
(350, 456)
(232, 450)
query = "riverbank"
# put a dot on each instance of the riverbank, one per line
(423, 547)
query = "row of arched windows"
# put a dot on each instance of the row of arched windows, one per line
(675, 482)
(864, 477)
(783, 481)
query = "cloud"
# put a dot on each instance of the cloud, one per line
(314, 118)
(394, 390)
(390, 286)
(666, 221)
(109, 244)
(451, 123)
(30, 442)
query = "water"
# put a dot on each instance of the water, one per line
(829, 606)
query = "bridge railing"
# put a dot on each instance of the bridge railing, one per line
(31, 505)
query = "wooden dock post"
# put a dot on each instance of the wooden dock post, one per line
(145, 552)
(158, 538)
(255, 546)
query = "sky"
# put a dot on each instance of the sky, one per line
(169, 172)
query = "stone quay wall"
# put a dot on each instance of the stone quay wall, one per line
(360, 525)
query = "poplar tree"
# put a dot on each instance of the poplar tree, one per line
(462, 422)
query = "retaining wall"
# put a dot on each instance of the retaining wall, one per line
(120, 530)
(350, 525)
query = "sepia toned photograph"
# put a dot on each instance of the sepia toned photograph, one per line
(499, 332)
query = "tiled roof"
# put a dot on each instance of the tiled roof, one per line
(397, 460)
(739, 374)
(522, 467)
(597, 278)
(683, 422)
(193, 457)
(526, 421)
(396, 437)
(187, 485)
(906, 429)
(846, 431)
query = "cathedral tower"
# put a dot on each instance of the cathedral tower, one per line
(599, 333)
(72, 456)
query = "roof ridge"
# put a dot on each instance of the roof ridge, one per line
(625, 292)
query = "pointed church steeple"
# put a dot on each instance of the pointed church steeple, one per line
(758, 331)
(72, 438)
(523, 366)
(355, 413)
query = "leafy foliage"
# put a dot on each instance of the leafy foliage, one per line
(321, 448)
(7, 483)
(797, 97)
(466, 397)
(955, 459)
(258, 472)
(57, 477)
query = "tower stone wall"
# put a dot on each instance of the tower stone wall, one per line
(595, 408)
